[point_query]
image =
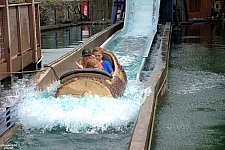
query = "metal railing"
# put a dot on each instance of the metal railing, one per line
(8, 118)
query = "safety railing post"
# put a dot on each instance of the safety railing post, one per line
(8, 117)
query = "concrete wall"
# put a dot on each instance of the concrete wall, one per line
(67, 62)
(142, 134)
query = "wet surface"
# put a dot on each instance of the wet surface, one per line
(82, 123)
(192, 114)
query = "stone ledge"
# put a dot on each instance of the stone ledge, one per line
(142, 134)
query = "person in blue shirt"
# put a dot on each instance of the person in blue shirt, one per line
(98, 52)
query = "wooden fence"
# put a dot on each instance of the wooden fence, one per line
(20, 43)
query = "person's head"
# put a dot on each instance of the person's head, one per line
(92, 63)
(98, 53)
(86, 54)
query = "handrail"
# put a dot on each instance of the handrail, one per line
(7, 115)
(9, 127)
(8, 119)
(39, 60)
(7, 123)
(8, 109)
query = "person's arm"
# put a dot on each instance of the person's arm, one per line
(110, 69)
(79, 66)
(107, 66)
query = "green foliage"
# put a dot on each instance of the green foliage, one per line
(48, 6)
(61, 11)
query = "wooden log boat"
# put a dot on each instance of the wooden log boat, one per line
(80, 82)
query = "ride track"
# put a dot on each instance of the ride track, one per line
(141, 20)
(140, 23)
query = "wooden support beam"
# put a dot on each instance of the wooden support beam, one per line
(33, 29)
(19, 36)
(7, 39)
(38, 32)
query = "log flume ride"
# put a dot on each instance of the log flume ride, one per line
(80, 82)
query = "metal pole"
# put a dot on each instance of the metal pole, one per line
(8, 118)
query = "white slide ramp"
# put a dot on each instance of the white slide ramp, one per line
(141, 19)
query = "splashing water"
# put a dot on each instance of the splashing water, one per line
(41, 110)
(89, 114)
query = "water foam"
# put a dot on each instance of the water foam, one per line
(41, 110)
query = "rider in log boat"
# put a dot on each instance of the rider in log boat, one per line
(80, 82)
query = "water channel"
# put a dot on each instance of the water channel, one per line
(192, 114)
(90, 122)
